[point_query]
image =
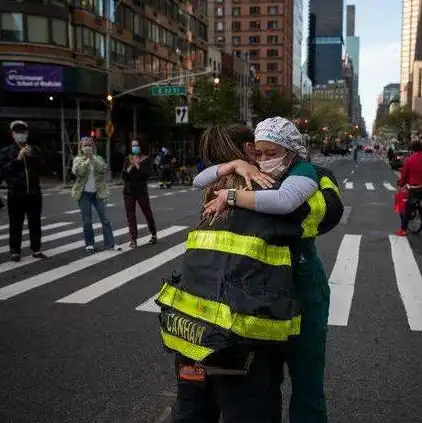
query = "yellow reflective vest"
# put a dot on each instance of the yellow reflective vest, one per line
(236, 287)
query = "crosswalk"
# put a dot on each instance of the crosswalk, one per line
(64, 246)
(320, 159)
(368, 186)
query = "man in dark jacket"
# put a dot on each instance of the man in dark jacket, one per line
(136, 172)
(20, 165)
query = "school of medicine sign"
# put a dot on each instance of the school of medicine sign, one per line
(32, 78)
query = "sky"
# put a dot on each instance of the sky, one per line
(378, 24)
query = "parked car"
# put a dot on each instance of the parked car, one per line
(398, 159)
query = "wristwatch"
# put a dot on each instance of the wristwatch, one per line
(231, 197)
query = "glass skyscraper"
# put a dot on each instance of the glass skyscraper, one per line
(325, 48)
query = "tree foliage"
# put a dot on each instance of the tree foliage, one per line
(329, 117)
(214, 103)
(274, 103)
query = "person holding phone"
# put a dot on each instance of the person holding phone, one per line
(136, 172)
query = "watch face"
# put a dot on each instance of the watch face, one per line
(231, 195)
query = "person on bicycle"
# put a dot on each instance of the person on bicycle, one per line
(411, 178)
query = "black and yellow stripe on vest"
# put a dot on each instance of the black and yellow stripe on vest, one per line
(236, 287)
(322, 212)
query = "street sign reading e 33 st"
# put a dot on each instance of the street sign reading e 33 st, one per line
(168, 90)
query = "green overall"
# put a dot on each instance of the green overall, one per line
(306, 359)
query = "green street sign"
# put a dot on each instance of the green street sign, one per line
(168, 90)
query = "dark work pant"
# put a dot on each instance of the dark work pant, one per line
(20, 205)
(414, 197)
(240, 399)
(144, 204)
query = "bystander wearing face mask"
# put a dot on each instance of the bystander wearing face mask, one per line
(20, 137)
(87, 150)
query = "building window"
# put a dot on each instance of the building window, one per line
(11, 25)
(255, 11)
(253, 54)
(254, 40)
(236, 26)
(272, 10)
(88, 41)
(235, 40)
(272, 80)
(59, 32)
(272, 52)
(37, 29)
(220, 11)
(257, 67)
(236, 11)
(272, 39)
(220, 26)
(254, 25)
(272, 25)
(272, 67)
(99, 45)
(237, 53)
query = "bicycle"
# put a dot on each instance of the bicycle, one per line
(415, 222)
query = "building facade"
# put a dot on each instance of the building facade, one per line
(390, 93)
(350, 20)
(297, 46)
(54, 53)
(353, 52)
(410, 19)
(333, 90)
(261, 29)
(325, 40)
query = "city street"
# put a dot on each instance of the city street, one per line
(79, 336)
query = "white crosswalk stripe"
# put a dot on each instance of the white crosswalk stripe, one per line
(27, 276)
(368, 186)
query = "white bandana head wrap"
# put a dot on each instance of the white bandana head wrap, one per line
(282, 132)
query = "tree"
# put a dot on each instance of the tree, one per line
(402, 121)
(328, 118)
(274, 103)
(214, 103)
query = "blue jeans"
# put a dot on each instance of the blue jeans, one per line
(86, 202)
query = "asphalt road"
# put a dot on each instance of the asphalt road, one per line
(79, 339)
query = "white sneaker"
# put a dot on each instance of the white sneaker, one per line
(89, 248)
(116, 248)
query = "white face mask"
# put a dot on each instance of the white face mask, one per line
(87, 150)
(273, 167)
(20, 138)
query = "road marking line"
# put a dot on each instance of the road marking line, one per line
(346, 214)
(342, 280)
(183, 190)
(112, 282)
(345, 181)
(409, 280)
(153, 196)
(51, 237)
(5, 267)
(52, 275)
(44, 228)
(349, 185)
(149, 306)
(369, 186)
(352, 172)
(194, 189)
(389, 186)
(168, 193)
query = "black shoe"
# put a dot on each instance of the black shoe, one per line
(15, 257)
(39, 255)
(153, 240)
